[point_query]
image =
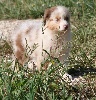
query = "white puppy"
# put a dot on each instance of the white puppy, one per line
(52, 33)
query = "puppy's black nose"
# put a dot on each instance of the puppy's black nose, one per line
(65, 27)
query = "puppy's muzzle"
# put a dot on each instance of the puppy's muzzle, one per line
(64, 28)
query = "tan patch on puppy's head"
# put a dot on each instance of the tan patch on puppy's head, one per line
(52, 26)
(47, 13)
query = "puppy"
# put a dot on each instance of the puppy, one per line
(32, 38)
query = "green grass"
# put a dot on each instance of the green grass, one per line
(48, 85)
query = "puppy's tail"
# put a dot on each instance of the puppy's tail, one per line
(3, 36)
(6, 29)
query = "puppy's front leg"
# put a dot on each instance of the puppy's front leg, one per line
(13, 62)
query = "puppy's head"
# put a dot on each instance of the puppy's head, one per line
(57, 18)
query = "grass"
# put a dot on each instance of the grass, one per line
(48, 85)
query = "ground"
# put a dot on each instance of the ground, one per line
(49, 85)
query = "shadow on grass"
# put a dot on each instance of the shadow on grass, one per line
(81, 71)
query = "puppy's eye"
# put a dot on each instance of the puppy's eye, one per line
(51, 19)
(66, 18)
(57, 19)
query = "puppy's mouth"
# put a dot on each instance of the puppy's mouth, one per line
(64, 30)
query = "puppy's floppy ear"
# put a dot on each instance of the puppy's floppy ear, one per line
(47, 14)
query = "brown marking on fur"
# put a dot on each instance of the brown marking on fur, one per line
(20, 51)
(53, 26)
(58, 18)
(48, 13)
(28, 30)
